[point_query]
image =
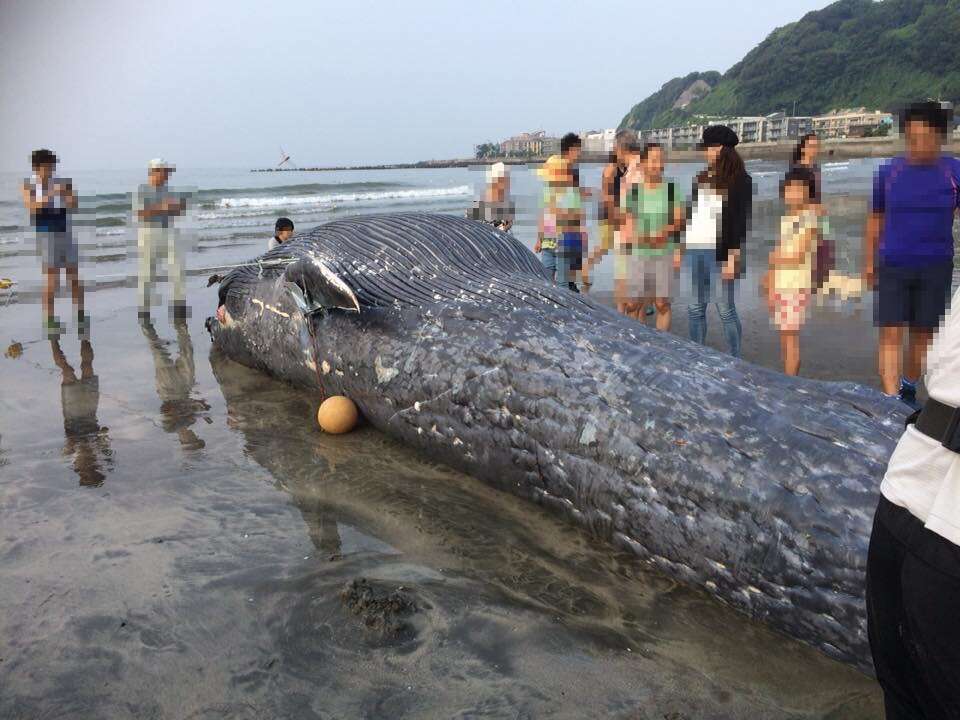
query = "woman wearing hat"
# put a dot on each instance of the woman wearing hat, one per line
(717, 225)
(495, 208)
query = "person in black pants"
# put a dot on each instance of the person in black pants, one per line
(913, 565)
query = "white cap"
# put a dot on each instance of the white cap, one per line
(497, 170)
(159, 164)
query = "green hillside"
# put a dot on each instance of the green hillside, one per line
(852, 53)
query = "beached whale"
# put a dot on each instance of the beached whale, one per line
(757, 487)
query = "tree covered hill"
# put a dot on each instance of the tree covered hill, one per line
(852, 53)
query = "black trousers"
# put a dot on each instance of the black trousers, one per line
(913, 616)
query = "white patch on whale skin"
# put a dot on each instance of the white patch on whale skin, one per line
(384, 374)
(589, 434)
(325, 366)
(311, 364)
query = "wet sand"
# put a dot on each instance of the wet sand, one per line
(177, 548)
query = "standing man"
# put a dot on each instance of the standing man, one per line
(50, 201)
(154, 207)
(908, 247)
(913, 565)
(282, 231)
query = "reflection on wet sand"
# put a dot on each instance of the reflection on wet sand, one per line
(176, 378)
(476, 555)
(86, 441)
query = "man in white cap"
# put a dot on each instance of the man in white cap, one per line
(154, 207)
(495, 208)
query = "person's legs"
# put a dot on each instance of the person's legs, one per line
(931, 597)
(790, 351)
(51, 279)
(918, 343)
(894, 308)
(563, 268)
(76, 289)
(930, 290)
(697, 310)
(663, 285)
(729, 317)
(664, 314)
(175, 269)
(886, 616)
(548, 257)
(146, 267)
(890, 344)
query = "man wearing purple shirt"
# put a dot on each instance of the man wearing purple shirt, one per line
(908, 248)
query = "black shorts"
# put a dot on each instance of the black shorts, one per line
(913, 592)
(913, 296)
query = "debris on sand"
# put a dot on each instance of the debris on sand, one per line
(383, 611)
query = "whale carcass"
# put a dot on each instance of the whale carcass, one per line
(757, 487)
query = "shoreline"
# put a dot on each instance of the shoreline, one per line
(843, 149)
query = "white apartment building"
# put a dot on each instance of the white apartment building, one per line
(774, 128)
(849, 122)
(598, 141)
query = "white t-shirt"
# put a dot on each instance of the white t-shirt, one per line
(272, 243)
(704, 227)
(923, 476)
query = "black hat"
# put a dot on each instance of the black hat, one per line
(719, 135)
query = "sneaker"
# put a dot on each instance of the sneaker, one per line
(573, 286)
(650, 310)
(908, 394)
(83, 326)
(52, 327)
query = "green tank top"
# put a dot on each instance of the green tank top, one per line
(651, 209)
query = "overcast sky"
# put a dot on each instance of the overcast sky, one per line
(211, 83)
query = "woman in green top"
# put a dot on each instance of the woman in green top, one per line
(647, 255)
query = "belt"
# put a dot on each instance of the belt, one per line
(940, 422)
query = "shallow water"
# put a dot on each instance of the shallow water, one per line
(182, 555)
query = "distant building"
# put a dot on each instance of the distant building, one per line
(780, 127)
(857, 122)
(775, 128)
(536, 144)
(598, 141)
(683, 136)
(748, 129)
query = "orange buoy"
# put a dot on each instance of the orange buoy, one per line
(337, 415)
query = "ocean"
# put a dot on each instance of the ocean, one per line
(232, 212)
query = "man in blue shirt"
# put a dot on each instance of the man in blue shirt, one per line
(908, 248)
